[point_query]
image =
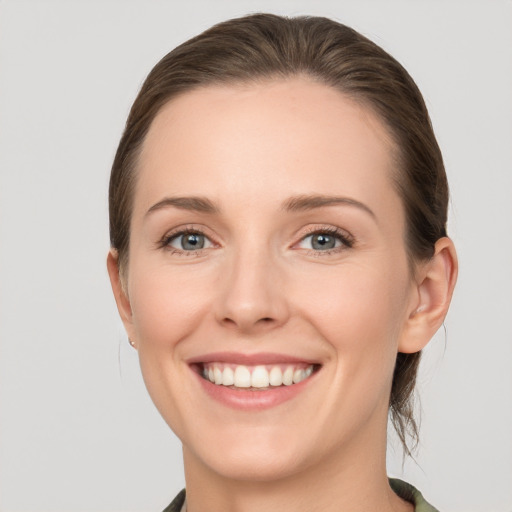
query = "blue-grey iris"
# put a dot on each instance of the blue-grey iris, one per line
(192, 241)
(323, 242)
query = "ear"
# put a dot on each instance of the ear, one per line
(431, 297)
(120, 293)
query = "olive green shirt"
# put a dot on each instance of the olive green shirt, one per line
(403, 489)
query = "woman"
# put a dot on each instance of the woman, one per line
(279, 259)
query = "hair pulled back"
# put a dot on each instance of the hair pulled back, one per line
(265, 46)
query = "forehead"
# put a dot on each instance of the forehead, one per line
(262, 140)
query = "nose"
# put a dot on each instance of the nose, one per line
(252, 296)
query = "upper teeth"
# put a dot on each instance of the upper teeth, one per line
(242, 376)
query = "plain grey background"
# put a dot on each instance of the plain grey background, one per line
(78, 432)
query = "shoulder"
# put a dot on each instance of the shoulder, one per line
(411, 494)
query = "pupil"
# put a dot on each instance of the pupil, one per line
(193, 241)
(323, 242)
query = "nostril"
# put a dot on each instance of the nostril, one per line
(244, 325)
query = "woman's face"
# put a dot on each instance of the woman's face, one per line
(267, 254)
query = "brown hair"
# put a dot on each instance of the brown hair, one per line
(266, 46)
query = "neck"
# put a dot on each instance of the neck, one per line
(350, 479)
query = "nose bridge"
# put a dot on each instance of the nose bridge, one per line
(252, 295)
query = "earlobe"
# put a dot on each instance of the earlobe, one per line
(431, 298)
(120, 295)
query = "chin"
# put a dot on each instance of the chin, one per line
(276, 466)
(252, 457)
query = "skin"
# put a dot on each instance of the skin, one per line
(260, 286)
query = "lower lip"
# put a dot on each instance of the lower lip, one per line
(252, 400)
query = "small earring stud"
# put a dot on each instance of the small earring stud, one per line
(132, 343)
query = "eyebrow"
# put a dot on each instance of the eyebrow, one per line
(293, 204)
(197, 204)
(310, 202)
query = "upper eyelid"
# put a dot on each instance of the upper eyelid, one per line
(183, 230)
(324, 229)
(332, 230)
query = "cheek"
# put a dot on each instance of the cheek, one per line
(357, 298)
(166, 305)
(359, 312)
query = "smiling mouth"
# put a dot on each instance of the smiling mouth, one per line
(256, 378)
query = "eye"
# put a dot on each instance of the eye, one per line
(188, 241)
(320, 242)
(325, 240)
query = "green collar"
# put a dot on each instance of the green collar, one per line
(411, 494)
(403, 489)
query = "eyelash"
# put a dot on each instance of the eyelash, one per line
(346, 240)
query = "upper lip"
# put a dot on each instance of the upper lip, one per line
(261, 358)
